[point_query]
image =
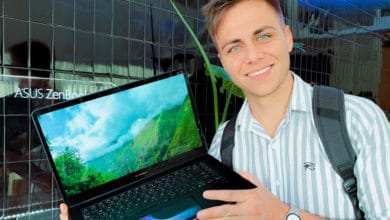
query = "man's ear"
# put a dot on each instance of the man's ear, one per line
(289, 37)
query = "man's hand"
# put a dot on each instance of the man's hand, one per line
(258, 203)
(64, 213)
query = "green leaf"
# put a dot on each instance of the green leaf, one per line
(219, 72)
(230, 86)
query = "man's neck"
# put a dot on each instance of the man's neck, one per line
(270, 110)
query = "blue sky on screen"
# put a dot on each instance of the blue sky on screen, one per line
(104, 124)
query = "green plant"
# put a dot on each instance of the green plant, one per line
(214, 72)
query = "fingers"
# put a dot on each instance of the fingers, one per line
(64, 212)
(217, 212)
(251, 178)
(234, 195)
(225, 212)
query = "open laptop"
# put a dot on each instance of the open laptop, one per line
(113, 152)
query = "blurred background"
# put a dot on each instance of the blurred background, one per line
(85, 46)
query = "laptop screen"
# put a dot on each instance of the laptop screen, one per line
(97, 140)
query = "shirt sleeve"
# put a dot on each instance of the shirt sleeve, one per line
(369, 130)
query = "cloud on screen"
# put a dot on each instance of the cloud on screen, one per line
(107, 123)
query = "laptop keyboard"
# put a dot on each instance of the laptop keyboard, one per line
(180, 182)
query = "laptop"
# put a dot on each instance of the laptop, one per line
(113, 152)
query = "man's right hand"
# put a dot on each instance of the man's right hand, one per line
(64, 212)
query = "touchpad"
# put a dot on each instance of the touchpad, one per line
(181, 209)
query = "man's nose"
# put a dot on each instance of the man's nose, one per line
(253, 53)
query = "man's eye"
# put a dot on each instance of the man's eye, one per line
(234, 48)
(263, 37)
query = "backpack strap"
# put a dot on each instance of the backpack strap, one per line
(329, 118)
(227, 142)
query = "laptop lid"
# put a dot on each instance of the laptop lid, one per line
(105, 141)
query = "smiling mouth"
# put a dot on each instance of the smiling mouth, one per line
(260, 72)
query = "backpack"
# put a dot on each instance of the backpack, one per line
(329, 118)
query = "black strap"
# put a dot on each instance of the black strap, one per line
(227, 142)
(329, 118)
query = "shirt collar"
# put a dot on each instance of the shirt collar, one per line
(300, 101)
(301, 95)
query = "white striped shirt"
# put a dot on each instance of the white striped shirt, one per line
(294, 166)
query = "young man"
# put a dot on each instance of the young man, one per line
(276, 138)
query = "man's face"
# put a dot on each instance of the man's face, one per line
(254, 46)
